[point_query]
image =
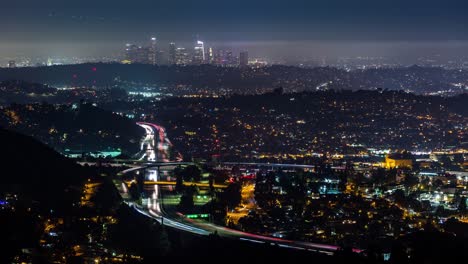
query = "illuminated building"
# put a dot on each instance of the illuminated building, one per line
(210, 56)
(224, 57)
(199, 54)
(243, 59)
(182, 56)
(136, 54)
(172, 53)
(12, 64)
(152, 52)
(398, 160)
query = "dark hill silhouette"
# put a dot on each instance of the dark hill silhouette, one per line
(30, 161)
(38, 173)
(117, 131)
(27, 87)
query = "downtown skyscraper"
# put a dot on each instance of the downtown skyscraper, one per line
(199, 53)
(172, 53)
(153, 52)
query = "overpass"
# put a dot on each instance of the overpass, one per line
(198, 184)
(155, 210)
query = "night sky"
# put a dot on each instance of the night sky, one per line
(95, 26)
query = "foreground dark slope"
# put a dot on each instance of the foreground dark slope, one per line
(31, 162)
(37, 173)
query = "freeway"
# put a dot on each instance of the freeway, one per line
(153, 209)
(153, 206)
(156, 145)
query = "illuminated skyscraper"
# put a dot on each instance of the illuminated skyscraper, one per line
(224, 57)
(199, 54)
(182, 56)
(153, 52)
(172, 53)
(230, 60)
(136, 54)
(243, 59)
(210, 56)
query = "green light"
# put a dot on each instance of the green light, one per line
(195, 216)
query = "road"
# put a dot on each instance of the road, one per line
(153, 206)
(156, 145)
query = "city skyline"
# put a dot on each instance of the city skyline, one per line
(270, 29)
(319, 53)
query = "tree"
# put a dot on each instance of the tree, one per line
(298, 193)
(462, 205)
(410, 181)
(399, 196)
(179, 183)
(232, 195)
(440, 211)
(134, 192)
(379, 176)
(106, 197)
(211, 183)
(220, 176)
(191, 173)
(438, 183)
(186, 200)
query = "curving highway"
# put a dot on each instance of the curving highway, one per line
(153, 207)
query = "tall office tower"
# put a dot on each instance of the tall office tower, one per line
(182, 57)
(131, 51)
(12, 64)
(199, 53)
(224, 57)
(210, 56)
(136, 54)
(218, 56)
(243, 59)
(230, 60)
(153, 52)
(172, 53)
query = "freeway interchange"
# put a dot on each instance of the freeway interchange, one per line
(153, 206)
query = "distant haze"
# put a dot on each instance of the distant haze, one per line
(276, 29)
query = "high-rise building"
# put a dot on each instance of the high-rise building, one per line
(210, 56)
(136, 54)
(130, 50)
(153, 52)
(243, 59)
(12, 64)
(230, 59)
(224, 57)
(199, 53)
(172, 53)
(182, 57)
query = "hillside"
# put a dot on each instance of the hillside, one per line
(35, 172)
(82, 128)
(416, 79)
